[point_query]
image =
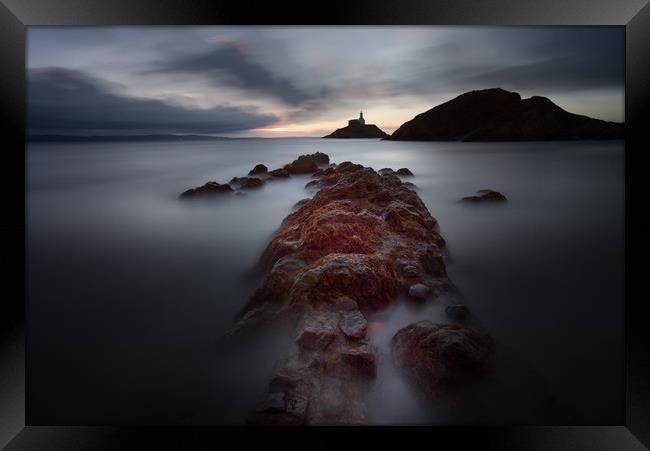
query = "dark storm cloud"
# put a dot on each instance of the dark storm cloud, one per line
(64, 99)
(566, 73)
(229, 65)
(543, 60)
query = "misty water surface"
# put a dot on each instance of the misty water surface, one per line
(130, 289)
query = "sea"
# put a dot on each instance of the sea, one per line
(130, 290)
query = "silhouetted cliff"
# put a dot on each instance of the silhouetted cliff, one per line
(358, 131)
(499, 115)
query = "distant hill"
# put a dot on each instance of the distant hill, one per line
(358, 131)
(78, 138)
(499, 115)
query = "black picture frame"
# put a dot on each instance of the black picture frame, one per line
(16, 15)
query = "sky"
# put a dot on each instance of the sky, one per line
(303, 81)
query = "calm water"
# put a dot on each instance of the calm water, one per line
(130, 290)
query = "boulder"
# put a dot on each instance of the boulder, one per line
(437, 355)
(353, 324)
(258, 169)
(209, 189)
(345, 304)
(316, 332)
(362, 359)
(485, 196)
(458, 312)
(247, 182)
(403, 172)
(307, 164)
(419, 291)
(280, 173)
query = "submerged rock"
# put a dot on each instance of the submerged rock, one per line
(485, 195)
(404, 172)
(258, 169)
(306, 164)
(247, 182)
(209, 188)
(435, 355)
(458, 312)
(280, 173)
(419, 291)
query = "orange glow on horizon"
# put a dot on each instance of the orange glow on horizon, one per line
(308, 129)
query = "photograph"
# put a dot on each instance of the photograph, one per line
(325, 225)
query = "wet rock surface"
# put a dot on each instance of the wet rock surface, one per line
(419, 291)
(437, 355)
(485, 196)
(209, 188)
(404, 172)
(351, 250)
(307, 164)
(353, 324)
(258, 169)
(246, 182)
(280, 173)
(458, 312)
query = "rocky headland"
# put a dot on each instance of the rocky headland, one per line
(499, 115)
(358, 131)
(361, 243)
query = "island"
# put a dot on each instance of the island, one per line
(499, 115)
(357, 128)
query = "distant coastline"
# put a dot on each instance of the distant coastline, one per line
(131, 138)
(84, 138)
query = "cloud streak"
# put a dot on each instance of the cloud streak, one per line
(541, 60)
(228, 64)
(60, 100)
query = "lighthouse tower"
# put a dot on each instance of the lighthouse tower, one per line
(356, 122)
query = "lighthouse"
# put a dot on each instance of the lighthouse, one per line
(360, 121)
